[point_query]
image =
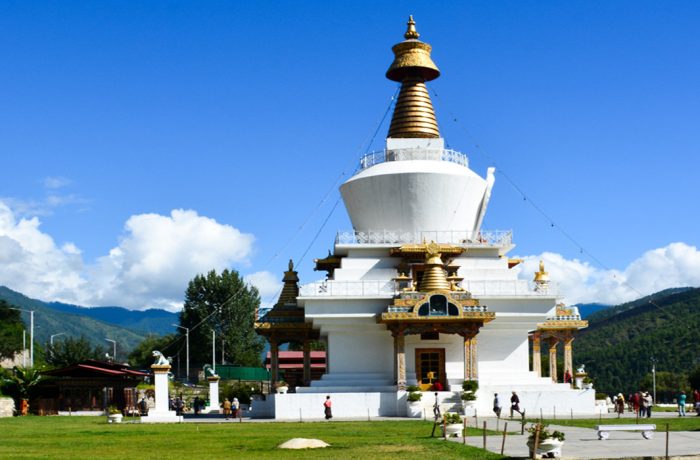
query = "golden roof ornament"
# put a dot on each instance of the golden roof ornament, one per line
(541, 276)
(413, 116)
(434, 278)
(411, 33)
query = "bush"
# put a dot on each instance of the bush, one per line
(241, 390)
(470, 385)
(601, 396)
(544, 433)
(452, 418)
(412, 388)
(414, 396)
(468, 396)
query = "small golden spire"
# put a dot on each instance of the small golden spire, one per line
(413, 116)
(411, 32)
(434, 278)
(541, 276)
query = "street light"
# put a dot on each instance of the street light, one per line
(31, 334)
(653, 376)
(187, 349)
(114, 353)
(55, 335)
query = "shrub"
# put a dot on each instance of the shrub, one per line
(468, 396)
(470, 385)
(601, 396)
(544, 433)
(241, 390)
(452, 418)
(414, 396)
(412, 388)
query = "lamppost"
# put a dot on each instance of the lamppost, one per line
(653, 376)
(55, 335)
(31, 334)
(114, 348)
(187, 349)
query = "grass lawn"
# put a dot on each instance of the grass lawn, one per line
(688, 423)
(92, 437)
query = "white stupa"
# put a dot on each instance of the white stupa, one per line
(417, 293)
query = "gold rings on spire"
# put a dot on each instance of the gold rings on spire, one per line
(413, 115)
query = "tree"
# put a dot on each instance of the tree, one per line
(694, 378)
(142, 356)
(70, 351)
(11, 327)
(21, 382)
(224, 304)
(668, 385)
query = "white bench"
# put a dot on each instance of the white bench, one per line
(647, 430)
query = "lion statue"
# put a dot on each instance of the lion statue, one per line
(160, 359)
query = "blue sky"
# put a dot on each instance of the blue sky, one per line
(245, 115)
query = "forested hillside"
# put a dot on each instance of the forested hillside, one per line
(620, 342)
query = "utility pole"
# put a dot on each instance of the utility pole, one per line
(213, 350)
(24, 348)
(187, 350)
(31, 335)
(653, 376)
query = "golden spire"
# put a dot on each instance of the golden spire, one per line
(413, 115)
(434, 278)
(541, 276)
(290, 290)
(411, 32)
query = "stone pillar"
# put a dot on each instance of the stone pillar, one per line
(274, 361)
(162, 412)
(569, 355)
(213, 394)
(553, 358)
(400, 359)
(536, 354)
(471, 362)
(307, 363)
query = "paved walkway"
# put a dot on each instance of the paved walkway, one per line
(583, 443)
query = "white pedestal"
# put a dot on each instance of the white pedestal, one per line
(213, 395)
(161, 413)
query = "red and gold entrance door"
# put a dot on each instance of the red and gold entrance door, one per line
(430, 367)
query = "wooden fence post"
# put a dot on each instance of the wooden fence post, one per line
(503, 443)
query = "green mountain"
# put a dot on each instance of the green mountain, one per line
(49, 320)
(620, 341)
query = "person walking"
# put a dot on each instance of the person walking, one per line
(696, 401)
(497, 405)
(227, 408)
(235, 407)
(620, 404)
(515, 405)
(648, 403)
(327, 408)
(681, 404)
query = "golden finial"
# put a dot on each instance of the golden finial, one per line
(291, 265)
(413, 114)
(411, 32)
(541, 276)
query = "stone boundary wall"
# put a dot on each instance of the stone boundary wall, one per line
(7, 407)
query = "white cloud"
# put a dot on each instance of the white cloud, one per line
(269, 284)
(150, 267)
(56, 182)
(675, 265)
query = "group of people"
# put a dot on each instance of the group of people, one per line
(640, 403)
(231, 408)
(514, 405)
